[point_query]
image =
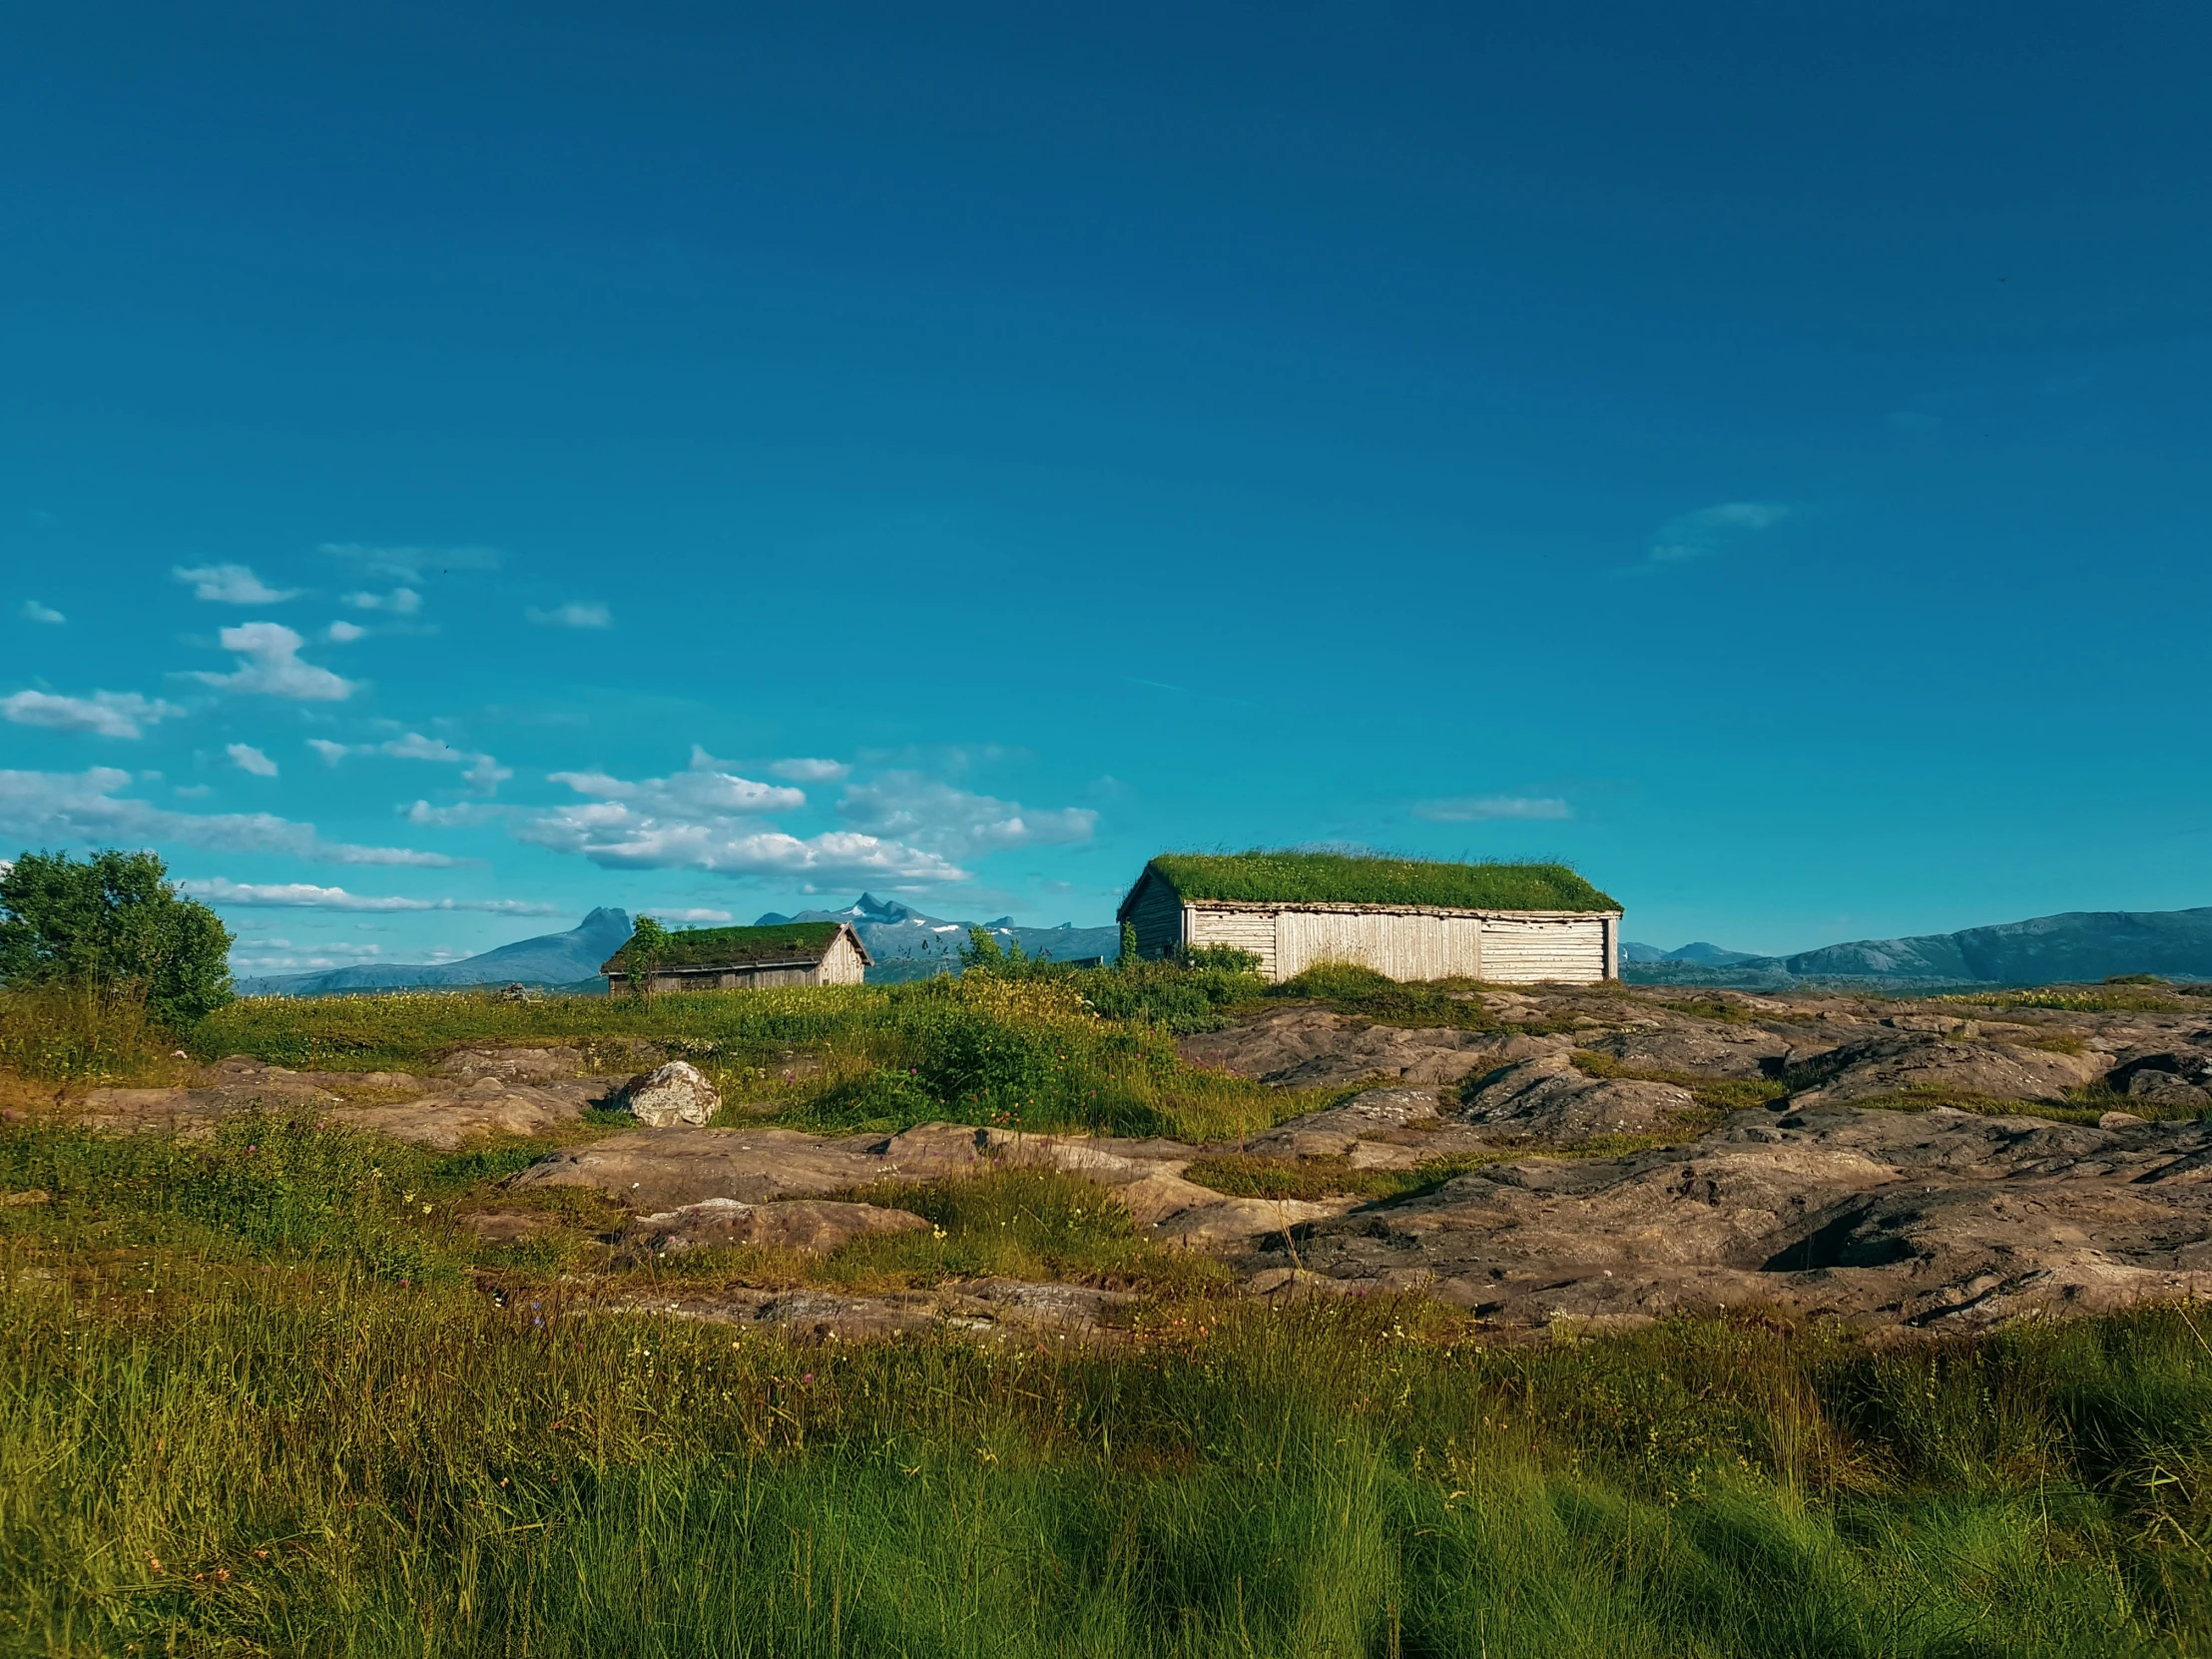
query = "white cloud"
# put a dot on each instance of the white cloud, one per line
(344, 633)
(804, 771)
(575, 614)
(692, 915)
(83, 808)
(1476, 808)
(246, 757)
(459, 815)
(231, 585)
(105, 714)
(935, 814)
(304, 895)
(399, 602)
(703, 820)
(484, 772)
(33, 611)
(269, 664)
(1708, 530)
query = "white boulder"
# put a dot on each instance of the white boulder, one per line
(675, 1093)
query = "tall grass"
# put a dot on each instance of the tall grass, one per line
(1029, 1051)
(284, 1461)
(84, 1035)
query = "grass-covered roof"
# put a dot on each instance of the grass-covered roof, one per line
(1262, 878)
(736, 947)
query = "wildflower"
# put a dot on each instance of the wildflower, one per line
(809, 1378)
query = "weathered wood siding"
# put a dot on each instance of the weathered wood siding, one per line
(1253, 930)
(1520, 950)
(1157, 915)
(841, 963)
(1402, 944)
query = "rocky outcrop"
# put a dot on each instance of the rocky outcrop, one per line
(675, 1093)
(1550, 1099)
(511, 1065)
(1941, 1219)
(1304, 1047)
(807, 1226)
(1894, 1062)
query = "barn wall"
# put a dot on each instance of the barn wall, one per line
(1157, 916)
(1403, 945)
(1520, 950)
(842, 964)
(1252, 930)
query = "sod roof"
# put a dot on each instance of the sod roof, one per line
(1261, 877)
(707, 947)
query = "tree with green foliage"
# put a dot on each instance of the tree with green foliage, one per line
(981, 951)
(113, 923)
(1127, 956)
(646, 950)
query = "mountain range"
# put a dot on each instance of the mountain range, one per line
(909, 944)
(2076, 946)
(549, 959)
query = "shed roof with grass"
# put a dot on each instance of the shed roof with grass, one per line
(735, 958)
(1411, 918)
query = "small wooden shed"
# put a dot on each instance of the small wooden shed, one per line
(733, 958)
(1409, 919)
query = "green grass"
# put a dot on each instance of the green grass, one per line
(695, 946)
(2075, 999)
(215, 1453)
(1015, 1050)
(1261, 876)
(255, 1398)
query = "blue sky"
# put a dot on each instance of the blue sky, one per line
(694, 458)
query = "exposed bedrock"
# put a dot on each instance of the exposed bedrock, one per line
(1940, 1217)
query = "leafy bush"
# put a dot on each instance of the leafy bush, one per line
(112, 925)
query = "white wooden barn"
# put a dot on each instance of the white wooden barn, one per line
(1408, 918)
(738, 958)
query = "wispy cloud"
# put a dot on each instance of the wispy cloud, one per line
(104, 714)
(344, 633)
(692, 915)
(461, 815)
(1476, 808)
(399, 602)
(1709, 530)
(307, 896)
(804, 771)
(269, 666)
(33, 611)
(85, 808)
(246, 757)
(577, 613)
(708, 818)
(231, 585)
(484, 772)
(932, 814)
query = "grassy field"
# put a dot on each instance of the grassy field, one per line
(255, 1399)
(277, 1392)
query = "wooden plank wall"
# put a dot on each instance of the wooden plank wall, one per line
(841, 965)
(1157, 916)
(1253, 930)
(1517, 953)
(1404, 946)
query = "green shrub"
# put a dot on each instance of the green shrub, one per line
(112, 925)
